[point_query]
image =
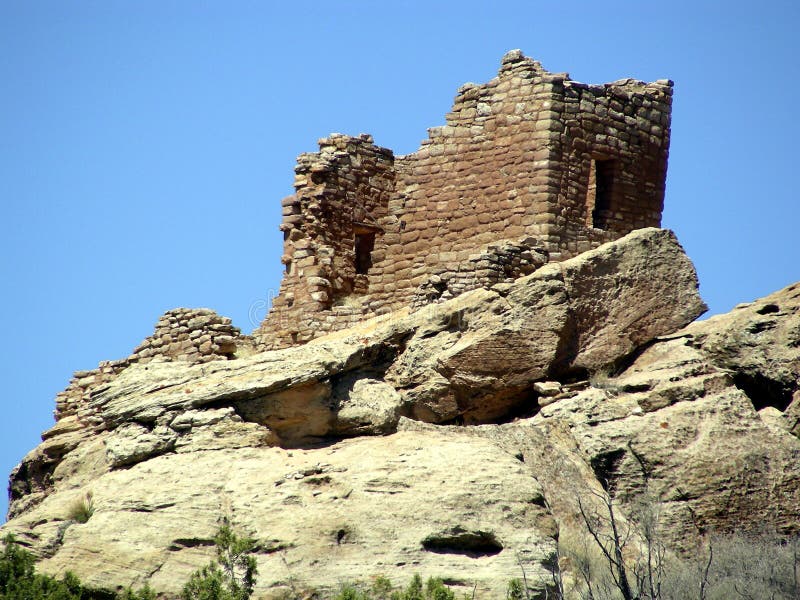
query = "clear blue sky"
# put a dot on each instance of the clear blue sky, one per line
(145, 146)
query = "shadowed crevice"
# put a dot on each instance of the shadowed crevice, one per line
(763, 391)
(606, 468)
(461, 541)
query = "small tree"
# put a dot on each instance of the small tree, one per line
(649, 569)
(413, 591)
(232, 576)
(19, 580)
(16, 566)
(144, 594)
(435, 589)
(610, 538)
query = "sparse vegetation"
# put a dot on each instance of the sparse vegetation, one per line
(740, 567)
(723, 567)
(19, 581)
(516, 590)
(82, 509)
(630, 561)
(382, 589)
(232, 576)
(144, 594)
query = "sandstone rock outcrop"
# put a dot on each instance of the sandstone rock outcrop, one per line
(759, 343)
(454, 440)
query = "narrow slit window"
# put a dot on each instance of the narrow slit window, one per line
(364, 244)
(600, 193)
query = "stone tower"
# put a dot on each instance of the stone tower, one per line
(529, 167)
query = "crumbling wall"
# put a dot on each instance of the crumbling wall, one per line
(194, 335)
(342, 196)
(502, 262)
(530, 153)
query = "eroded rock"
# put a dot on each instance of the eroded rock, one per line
(759, 343)
(452, 441)
(358, 508)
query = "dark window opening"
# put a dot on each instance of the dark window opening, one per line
(364, 244)
(600, 193)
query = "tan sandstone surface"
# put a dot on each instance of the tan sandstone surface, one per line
(454, 440)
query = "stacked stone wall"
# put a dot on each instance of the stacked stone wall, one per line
(342, 191)
(626, 125)
(530, 153)
(483, 176)
(195, 335)
(502, 262)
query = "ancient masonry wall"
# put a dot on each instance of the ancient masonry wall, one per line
(502, 262)
(343, 194)
(530, 154)
(193, 335)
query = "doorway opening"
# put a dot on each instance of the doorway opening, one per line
(364, 245)
(600, 193)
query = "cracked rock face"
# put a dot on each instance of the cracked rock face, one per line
(452, 441)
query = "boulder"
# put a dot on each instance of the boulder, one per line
(476, 357)
(675, 429)
(792, 414)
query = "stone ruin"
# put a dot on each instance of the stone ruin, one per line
(530, 161)
(194, 335)
(530, 168)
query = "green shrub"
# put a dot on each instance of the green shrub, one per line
(515, 590)
(382, 589)
(231, 577)
(144, 594)
(435, 589)
(19, 580)
(412, 592)
(351, 592)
